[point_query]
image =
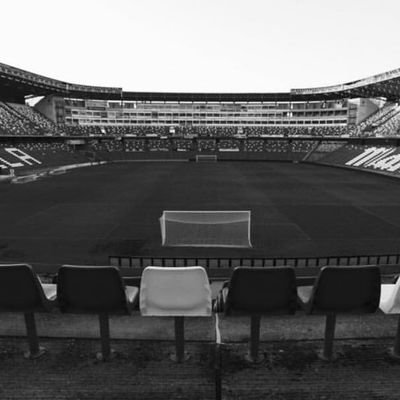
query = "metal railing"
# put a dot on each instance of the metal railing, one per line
(228, 263)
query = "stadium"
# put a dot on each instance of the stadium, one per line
(199, 200)
(283, 181)
(266, 153)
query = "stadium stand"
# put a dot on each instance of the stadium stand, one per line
(390, 126)
(45, 154)
(135, 145)
(206, 145)
(381, 158)
(44, 125)
(183, 145)
(20, 119)
(375, 123)
(87, 123)
(12, 124)
(323, 148)
(228, 145)
(159, 145)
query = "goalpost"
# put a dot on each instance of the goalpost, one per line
(206, 158)
(206, 228)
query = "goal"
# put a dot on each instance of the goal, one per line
(206, 158)
(206, 228)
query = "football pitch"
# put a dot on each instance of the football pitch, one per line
(301, 210)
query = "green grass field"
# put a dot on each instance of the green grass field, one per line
(89, 214)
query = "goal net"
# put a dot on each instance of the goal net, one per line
(206, 228)
(206, 158)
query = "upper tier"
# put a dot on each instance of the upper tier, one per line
(16, 83)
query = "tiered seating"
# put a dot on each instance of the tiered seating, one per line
(113, 145)
(367, 126)
(46, 153)
(159, 145)
(183, 145)
(302, 146)
(135, 145)
(82, 130)
(228, 145)
(13, 124)
(276, 146)
(321, 130)
(342, 154)
(206, 145)
(254, 145)
(390, 126)
(181, 292)
(45, 126)
(325, 148)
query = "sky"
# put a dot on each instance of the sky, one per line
(202, 45)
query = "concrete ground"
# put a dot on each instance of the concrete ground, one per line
(142, 369)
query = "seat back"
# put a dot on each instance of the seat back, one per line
(20, 289)
(393, 305)
(175, 291)
(347, 290)
(262, 291)
(91, 289)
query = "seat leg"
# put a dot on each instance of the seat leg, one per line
(35, 350)
(180, 354)
(253, 355)
(106, 352)
(330, 325)
(396, 348)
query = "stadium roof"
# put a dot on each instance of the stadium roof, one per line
(16, 83)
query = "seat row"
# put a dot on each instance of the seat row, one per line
(181, 292)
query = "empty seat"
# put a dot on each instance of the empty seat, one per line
(22, 291)
(341, 290)
(390, 304)
(258, 292)
(95, 290)
(175, 292)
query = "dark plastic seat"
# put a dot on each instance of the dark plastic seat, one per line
(22, 291)
(341, 290)
(258, 292)
(95, 290)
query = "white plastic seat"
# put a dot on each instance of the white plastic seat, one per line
(131, 293)
(175, 291)
(390, 298)
(390, 304)
(49, 290)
